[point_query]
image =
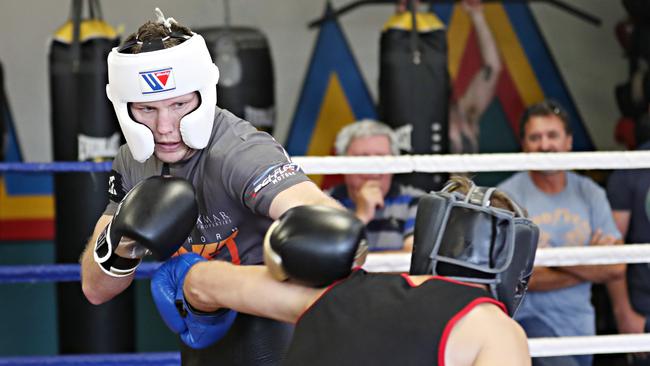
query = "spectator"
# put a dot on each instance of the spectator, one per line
(571, 210)
(386, 207)
(629, 195)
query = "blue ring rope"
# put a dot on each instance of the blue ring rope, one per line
(120, 359)
(56, 167)
(71, 272)
(59, 273)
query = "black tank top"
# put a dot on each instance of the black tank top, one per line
(382, 319)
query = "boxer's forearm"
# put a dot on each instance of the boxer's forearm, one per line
(95, 284)
(247, 289)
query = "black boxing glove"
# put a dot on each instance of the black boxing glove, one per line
(314, 245)
(156, 216)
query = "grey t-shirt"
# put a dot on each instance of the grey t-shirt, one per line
(567, 218)
(236, 178)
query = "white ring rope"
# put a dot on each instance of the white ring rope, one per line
(566, 256)
(474, 162)
(565, 346)
(547, 257)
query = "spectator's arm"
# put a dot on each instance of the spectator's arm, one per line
(622, 220)
(408, 244)
(599, 273)
(627, 319)
(550, 278)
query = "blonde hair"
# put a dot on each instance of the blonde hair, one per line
(498, 199)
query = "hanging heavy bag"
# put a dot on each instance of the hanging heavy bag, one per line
(84, 128)
(414, 88)
(246, 82)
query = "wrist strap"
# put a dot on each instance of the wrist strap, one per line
(111, 263)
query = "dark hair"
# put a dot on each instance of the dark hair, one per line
(547, 107)
(156, 34)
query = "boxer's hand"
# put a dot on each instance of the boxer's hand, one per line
(156, 217)
(367, 200)
(196, 329)
(314, 245)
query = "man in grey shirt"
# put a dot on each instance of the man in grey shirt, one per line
(162, 83)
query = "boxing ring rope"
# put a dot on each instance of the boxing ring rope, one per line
(547, 257)
(143, 359)
(388, 262)
(376, 262)
(458, 163)
(453, 163)
(539, 347)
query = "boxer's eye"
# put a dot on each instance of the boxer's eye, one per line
(144, 109)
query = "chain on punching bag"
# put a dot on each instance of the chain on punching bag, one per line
(84, 128)
(414, 88)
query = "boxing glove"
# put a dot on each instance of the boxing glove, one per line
(196, 329)
(156, 216)
(314, 245)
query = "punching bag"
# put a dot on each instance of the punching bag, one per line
(246, 82)
(414, 88)
(84, 128)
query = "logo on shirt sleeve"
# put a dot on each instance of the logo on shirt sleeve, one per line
(275, 175)
(115, 187)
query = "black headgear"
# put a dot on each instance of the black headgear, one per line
(463, 237)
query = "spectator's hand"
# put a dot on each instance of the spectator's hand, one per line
(367, 199)
(631, 322)
(598, 238)
(472, 6)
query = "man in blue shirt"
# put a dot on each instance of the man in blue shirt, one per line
(571, 210)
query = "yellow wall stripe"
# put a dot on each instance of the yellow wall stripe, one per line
(513, 55)
(457, 34)
(25, 207)
(335, 113)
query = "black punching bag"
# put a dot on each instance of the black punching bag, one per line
(246, 83)
(84, 128)
(414, 87)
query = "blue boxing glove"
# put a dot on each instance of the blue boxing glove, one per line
(196, 329)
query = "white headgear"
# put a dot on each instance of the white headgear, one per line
(158, 75)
